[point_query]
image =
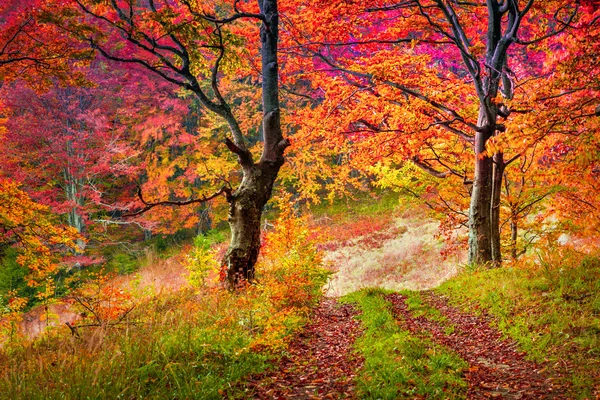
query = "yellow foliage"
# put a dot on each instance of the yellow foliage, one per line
(202, 262)
(30, 226)
(291, 278)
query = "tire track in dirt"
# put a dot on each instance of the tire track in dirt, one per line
(497, 369)
(319, 363)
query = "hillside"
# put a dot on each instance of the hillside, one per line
(472, 337)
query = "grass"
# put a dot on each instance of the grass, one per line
(551, 308)
(397, 363)
(162, 353)
(197, 342)
(415, 304)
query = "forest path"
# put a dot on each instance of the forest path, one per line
(496, 368)
(319, 363)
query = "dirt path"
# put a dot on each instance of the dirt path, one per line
(497, 369)
(319, 363)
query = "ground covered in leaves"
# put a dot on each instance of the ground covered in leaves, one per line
(320, 363)
(496, 367)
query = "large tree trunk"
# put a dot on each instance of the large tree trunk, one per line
(246, 205)
(480, 250)
(480, 216)
(248, 200)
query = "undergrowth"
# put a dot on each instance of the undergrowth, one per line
(195, 343)
(551, 307)
(399, 364)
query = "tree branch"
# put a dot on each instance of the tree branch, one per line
(565, 25)
(244, 156)
(149, 206)
(429, 169)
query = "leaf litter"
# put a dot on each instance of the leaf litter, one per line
(320, 363)
(497, 369)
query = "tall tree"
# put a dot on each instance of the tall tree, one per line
(425, 80)
(195, 45)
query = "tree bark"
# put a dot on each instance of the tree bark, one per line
(245, 211)
(480, 219)
(248, 200)
(480, 215)
(513, 238)
(498, 174)
(73, 194)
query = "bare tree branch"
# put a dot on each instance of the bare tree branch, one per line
(149, 206)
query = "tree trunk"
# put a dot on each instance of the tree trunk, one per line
(480, 250)
(498, 174)
(73, 194)
(513, 238)
(205, 219)
(247, 202)
(245, 211)
(480, 218)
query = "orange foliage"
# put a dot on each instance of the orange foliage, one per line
(382, 87)
(31, 228)
(101, 302)
(290, 276)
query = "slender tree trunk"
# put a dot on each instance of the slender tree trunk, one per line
(513, 238)
(74, 218)
(73, 194)
(205, 219)
(498, 174)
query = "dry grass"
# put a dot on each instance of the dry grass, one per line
(402, 254)
(157, 277)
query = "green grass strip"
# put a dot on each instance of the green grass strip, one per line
(552, 311)
(399, 364)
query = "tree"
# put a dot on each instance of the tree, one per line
(75, 148)
(25, 224)
(422, 81)
(570, 114)
(195, 48)
(30, 227)
(32, 50)
(63, 143)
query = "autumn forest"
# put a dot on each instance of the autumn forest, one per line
(299, 199)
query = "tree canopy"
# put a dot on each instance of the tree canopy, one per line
(484, 111)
